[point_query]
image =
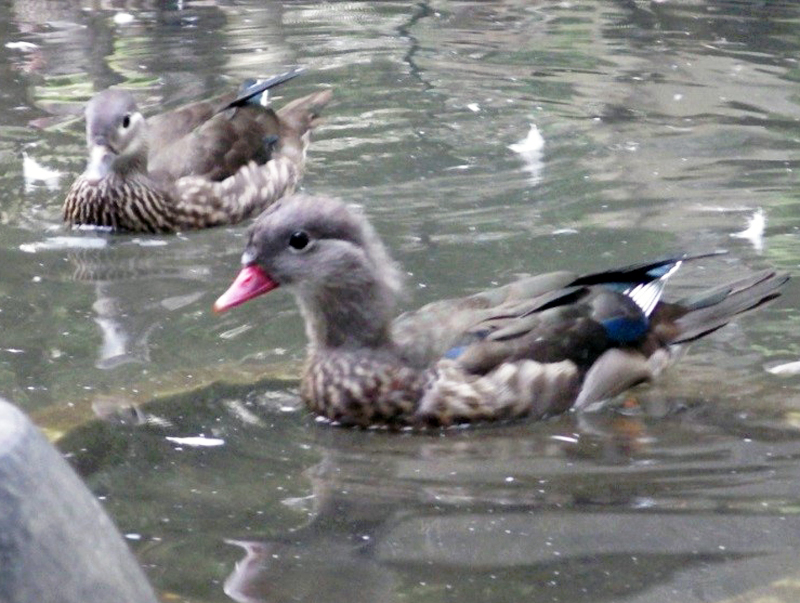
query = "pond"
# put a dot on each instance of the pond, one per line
(667, 126)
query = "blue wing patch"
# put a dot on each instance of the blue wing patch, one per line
(624, 329)
(454, 352)
(662, 270)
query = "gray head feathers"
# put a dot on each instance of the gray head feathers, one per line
(325, 219)
(328, 253)
(106, 112)
(385, 267)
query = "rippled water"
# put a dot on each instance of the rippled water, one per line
(666, 126)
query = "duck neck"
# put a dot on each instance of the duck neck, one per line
(355, 317)
(131, 165)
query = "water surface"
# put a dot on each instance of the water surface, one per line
(667, 126)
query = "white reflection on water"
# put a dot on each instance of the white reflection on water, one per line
(35, 173)
(61, 242)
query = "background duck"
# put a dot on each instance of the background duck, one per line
(206, 164)
(535, 347)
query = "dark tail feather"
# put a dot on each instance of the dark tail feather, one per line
(640, 273)
(710, 310)
(251, 91)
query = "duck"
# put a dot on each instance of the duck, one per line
(206, 164)
(535, 347)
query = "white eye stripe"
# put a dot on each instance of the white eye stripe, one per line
(133, 118)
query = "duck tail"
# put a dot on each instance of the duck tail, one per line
(302, 113)
(297, 120)
(708, 311)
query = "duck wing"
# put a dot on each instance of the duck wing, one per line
(425, 335)
(213, 139)
(612, 325)
(217, 148)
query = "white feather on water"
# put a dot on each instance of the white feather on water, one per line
(531, 150)
(756, 224)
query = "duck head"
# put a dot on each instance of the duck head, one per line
(116, 136)
(330, 257)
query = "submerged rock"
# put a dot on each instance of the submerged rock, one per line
(56, 542)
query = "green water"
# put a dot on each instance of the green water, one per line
(667, 126)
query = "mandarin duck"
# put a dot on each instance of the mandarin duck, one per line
(206, 164)
(535, 347)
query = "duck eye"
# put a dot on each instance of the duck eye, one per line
(299, 240)
(126, 121)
